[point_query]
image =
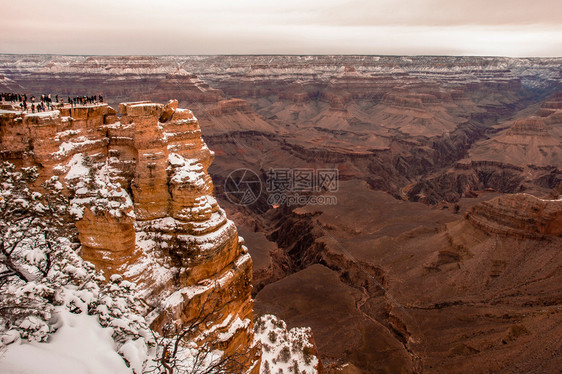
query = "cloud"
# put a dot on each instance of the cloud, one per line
(499, 27)
(441, 13)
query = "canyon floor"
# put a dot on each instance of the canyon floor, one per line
(402, 287)
(443, 252)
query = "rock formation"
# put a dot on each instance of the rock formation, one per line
(533, 140)
(519, 216)
(437, 130)
(144, 208)
(399, 286)
(389, 120)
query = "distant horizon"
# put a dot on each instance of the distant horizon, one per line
(270, 54)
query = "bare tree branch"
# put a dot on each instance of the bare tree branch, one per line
(176, 338)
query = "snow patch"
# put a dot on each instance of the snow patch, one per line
(285, 351)
(80, 345)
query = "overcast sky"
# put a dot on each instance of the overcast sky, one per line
(409, 27)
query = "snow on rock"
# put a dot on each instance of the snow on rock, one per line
(237, 325)
(208, 241)
(76, 167)
(77, 143)
(94, 188)
(98, 164)
(189, 292)
(187, 170)
(285, 351)
(151, 262)
(48, 114)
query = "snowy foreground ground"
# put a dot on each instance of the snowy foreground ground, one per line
(81, 345)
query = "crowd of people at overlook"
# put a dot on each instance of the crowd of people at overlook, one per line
(46, 102)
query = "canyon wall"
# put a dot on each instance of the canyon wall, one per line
(446, 131)
(402, 124)
(403, 287)
(144, 208)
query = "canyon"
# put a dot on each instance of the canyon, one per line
(442, 253)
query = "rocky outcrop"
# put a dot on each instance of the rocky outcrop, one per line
(533, 139)
(233, 115)
(230, 106)
(107, 241)
(186, 86)
(528, 127)
(518, 155)
(519, 216)
(144, 208)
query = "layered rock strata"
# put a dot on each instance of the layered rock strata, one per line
(144, 208)
(518, 215)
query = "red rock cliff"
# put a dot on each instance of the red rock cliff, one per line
(144, 208)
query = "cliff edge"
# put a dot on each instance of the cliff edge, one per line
(143, 204)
